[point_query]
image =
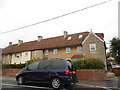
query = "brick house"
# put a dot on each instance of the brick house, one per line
(80, 45)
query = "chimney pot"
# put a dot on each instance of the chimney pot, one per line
(19, 42)
(65, 34)
(10, 43)
(40, 38)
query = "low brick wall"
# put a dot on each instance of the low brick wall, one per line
(82, 74)
(116, 71)
(10, 72)
(91, 74)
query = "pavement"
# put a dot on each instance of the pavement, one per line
(111, 81)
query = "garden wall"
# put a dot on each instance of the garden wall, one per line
(82, 74)
(91, 74)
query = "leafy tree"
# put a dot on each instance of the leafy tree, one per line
(115, 48)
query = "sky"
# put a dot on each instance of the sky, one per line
(19, 13)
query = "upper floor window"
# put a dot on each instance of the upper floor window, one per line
(68, 50)
(55, 51)
(26, 53)
(8, 56)
(92, 47)
(79, 48)
(46, 52)
(36, 52)
(16, 55)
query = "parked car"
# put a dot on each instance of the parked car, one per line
(57, 72)
(115, 65)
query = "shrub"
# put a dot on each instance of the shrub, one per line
(13, 66)
(89, 63)
(79, 64)
(94, 63)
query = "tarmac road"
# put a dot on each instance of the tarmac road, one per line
(10, 84)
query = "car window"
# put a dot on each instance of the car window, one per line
(33, 66)
(57, 64)
(45, 64)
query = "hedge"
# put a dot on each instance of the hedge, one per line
(89, 63)
(13, 66)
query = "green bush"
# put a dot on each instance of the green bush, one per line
(79, 64)
(94, 63)
(31, 61)
(89, 63)
(19, 66)
(13, 66)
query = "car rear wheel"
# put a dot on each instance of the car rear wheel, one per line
(20, 80)
(56, 83)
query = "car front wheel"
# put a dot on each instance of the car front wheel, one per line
(20, 80)
(56, 83)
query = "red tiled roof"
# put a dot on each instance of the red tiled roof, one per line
(49, 43)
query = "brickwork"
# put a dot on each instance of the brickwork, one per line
(92, 74)
(82, 74)
(100, 48)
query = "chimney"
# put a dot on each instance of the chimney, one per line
(19, 42)
(10, 43)
(40, 38)
(65, 34)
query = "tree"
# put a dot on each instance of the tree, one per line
(115, 48)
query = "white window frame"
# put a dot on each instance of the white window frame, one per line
(68, 50)
(79, 48)
(26, 53)
(55, 51)
(8, 56)
(92, 47)
(36, 52)
(46, 52)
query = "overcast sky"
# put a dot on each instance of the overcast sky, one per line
(18, 13)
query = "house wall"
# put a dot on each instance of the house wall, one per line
(7, 59)
(40, 54)
(21, 57)
(100, 48)
(62, 53)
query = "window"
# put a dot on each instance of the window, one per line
(36, 52)
(79, 48)
(58, 64)
(8, 56)
(55, 51)
(92, 47)
(45, 64)
(26, 53)
(46, 52)
(21, 54)
(33, 66)
(68, 50)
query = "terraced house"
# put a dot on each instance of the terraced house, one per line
(75, 46)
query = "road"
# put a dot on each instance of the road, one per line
(10, 84)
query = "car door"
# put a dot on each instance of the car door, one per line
(30, 72)
(43, 71)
